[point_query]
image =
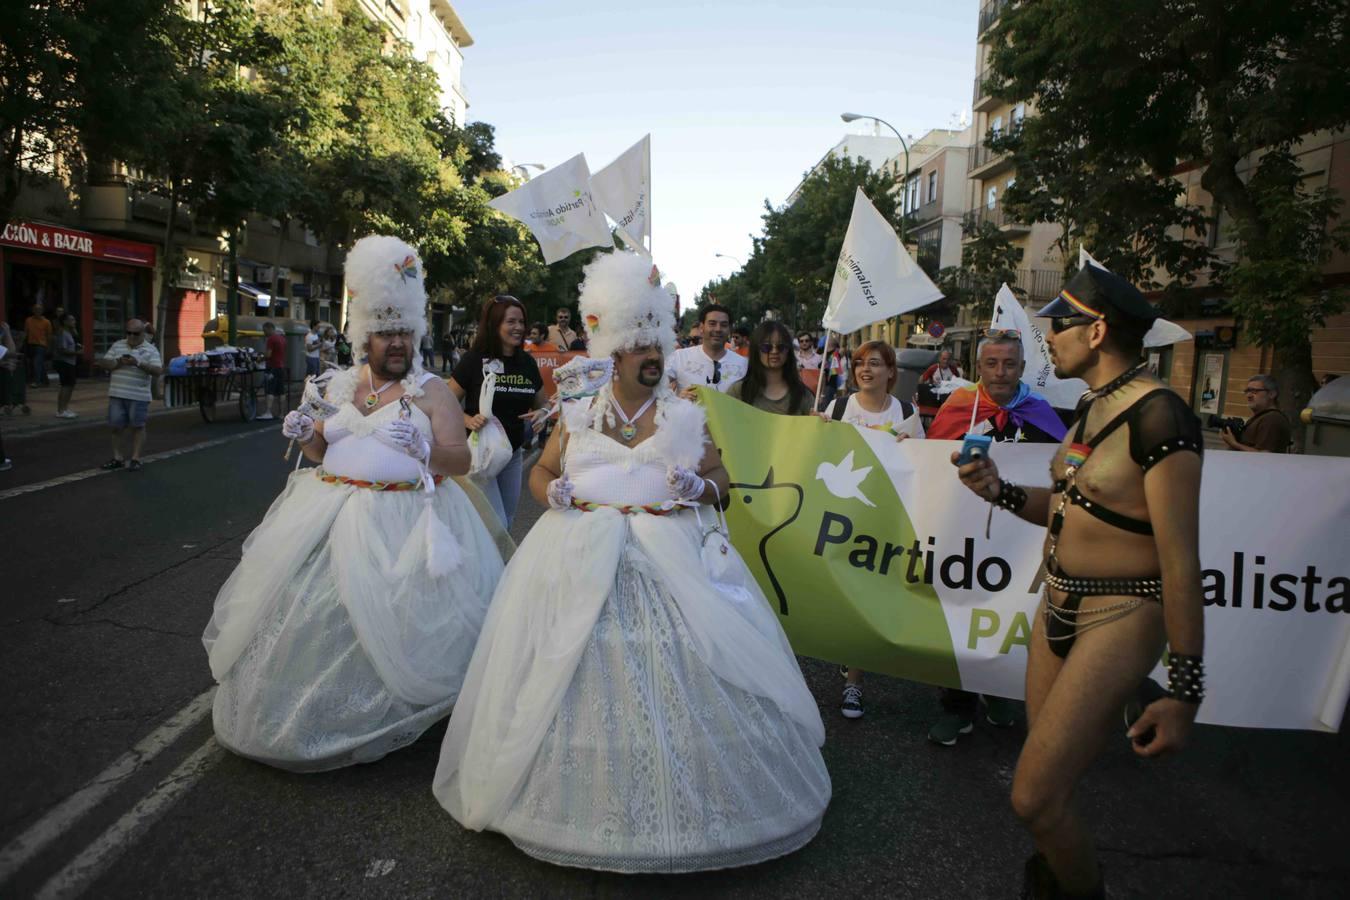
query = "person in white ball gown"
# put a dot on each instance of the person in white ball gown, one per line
(633, 704)
(346, 629)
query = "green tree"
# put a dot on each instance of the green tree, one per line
(988, 261)
(1158, 85)
(74, 75)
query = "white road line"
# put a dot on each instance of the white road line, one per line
(154, 457)
(70, 810)
(99, 856)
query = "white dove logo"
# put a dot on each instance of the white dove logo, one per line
(843, 480)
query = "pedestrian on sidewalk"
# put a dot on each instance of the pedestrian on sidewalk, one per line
(313, 345)
(428, 349)
(13, 386)
(274, 356)
(133, 362)
(65, 354)
(37, 334)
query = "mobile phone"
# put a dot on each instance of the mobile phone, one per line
(973, 447)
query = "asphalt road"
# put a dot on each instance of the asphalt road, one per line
(111, 785)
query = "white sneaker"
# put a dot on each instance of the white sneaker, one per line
(6, 465)
(265, 417)
(68, 414)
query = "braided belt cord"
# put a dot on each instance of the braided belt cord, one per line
(653, 509)
(329, 478)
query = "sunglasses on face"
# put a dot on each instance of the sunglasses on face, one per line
(1061, 324)
(767, 347)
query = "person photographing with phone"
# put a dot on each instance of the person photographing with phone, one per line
(1122, 573)
(131, 362)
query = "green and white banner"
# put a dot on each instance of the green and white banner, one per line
(874, 555)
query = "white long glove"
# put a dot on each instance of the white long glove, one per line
(559, 492)
(298, 427)
(405, 437)
(685, 484)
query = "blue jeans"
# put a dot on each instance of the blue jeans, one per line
(503, 492)
(37, 363)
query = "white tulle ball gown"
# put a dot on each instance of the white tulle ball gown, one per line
(332, 642)
(622, 710)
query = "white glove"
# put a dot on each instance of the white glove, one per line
(298, 427)
(685, 484)
(559, 493)
(406, 437)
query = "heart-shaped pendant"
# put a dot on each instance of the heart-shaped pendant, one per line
(371, 399)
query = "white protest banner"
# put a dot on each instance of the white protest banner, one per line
(558, 209)
(872, 553)
(1163, 333)
(875, 277)
(623, 189)
(1040, 372)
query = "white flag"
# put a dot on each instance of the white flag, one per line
(1039, 374)
(875, 278)
(1163, 333)
(623, 189)
(558, 209)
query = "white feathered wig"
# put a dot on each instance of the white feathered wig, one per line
(386, 292)
(623, 305)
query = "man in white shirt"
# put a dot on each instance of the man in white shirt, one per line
(807, 357)
(711, 364)
(313, 346)
(132, 362)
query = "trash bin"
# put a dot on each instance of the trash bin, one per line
(1328, 419)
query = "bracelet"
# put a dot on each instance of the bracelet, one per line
(1186, 677)
(1011, 497)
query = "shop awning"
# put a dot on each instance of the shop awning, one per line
(259, 296)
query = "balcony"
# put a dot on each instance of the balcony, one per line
(989, 14)
(984, 100)
(984, 162)
(1039, 285)
(924, 214)
(997, 216)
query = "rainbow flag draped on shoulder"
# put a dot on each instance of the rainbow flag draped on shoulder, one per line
(1026, 408)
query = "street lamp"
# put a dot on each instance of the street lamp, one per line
(735, 259)
(904, 190)
(525, 167)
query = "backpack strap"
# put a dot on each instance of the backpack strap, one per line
(840, 406)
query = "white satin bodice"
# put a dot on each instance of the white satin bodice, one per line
(603, 470)
(355, 452)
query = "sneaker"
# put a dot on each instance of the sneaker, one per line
(1000, 712)
(134, 465)
(6, 465)
(26, 410)
(852, 707)
(843, 671)
(265, 417)
(948, 728)
(72, 414)
(112, 464)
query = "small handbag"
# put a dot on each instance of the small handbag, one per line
(715, 541)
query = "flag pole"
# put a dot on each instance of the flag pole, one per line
(820, 382)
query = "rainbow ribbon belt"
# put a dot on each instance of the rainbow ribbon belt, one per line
(653, 509)
(329, 478)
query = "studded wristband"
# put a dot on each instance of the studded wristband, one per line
(1186, 677)
(1011, 497)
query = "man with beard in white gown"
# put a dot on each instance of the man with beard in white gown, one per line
(629, 706)
(346, 629)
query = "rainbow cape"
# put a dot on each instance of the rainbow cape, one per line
(1025, 408)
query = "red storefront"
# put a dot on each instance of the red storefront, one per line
(102, 281)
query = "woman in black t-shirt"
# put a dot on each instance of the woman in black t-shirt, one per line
(499, 346)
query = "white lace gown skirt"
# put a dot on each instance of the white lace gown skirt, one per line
(345, 656)
(654, 763)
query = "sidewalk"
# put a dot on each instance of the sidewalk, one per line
(89, 403)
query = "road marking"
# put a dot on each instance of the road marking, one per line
(154, 457)
(99, 856)
(73, 808)
(380, 867)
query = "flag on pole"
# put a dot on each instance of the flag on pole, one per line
(623, 190)
(558, 209)
(1163, 333)
(875, 278)
(1039, 374)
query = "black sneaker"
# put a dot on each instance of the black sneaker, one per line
(112, 464)
(134, 465)
(851, 707)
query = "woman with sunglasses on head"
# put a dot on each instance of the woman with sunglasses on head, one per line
(499, 348)
(772, 382)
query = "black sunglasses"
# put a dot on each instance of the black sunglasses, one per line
(767, 347)
(717, 373)
(1064, 323)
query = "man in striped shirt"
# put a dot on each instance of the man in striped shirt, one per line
(132, 362)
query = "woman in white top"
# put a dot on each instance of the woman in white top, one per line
(871, 405)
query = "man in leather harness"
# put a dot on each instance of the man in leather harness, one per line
(1122, 572)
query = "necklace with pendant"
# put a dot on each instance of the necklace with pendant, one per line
(628, 430)
(373, 398)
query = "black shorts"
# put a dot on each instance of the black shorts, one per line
(275, 382)
(66, 371)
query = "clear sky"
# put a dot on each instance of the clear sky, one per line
(741, 98)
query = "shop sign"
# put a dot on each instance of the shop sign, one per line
(54, 239)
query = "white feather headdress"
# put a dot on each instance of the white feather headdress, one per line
(624, 305)
(387, 291)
